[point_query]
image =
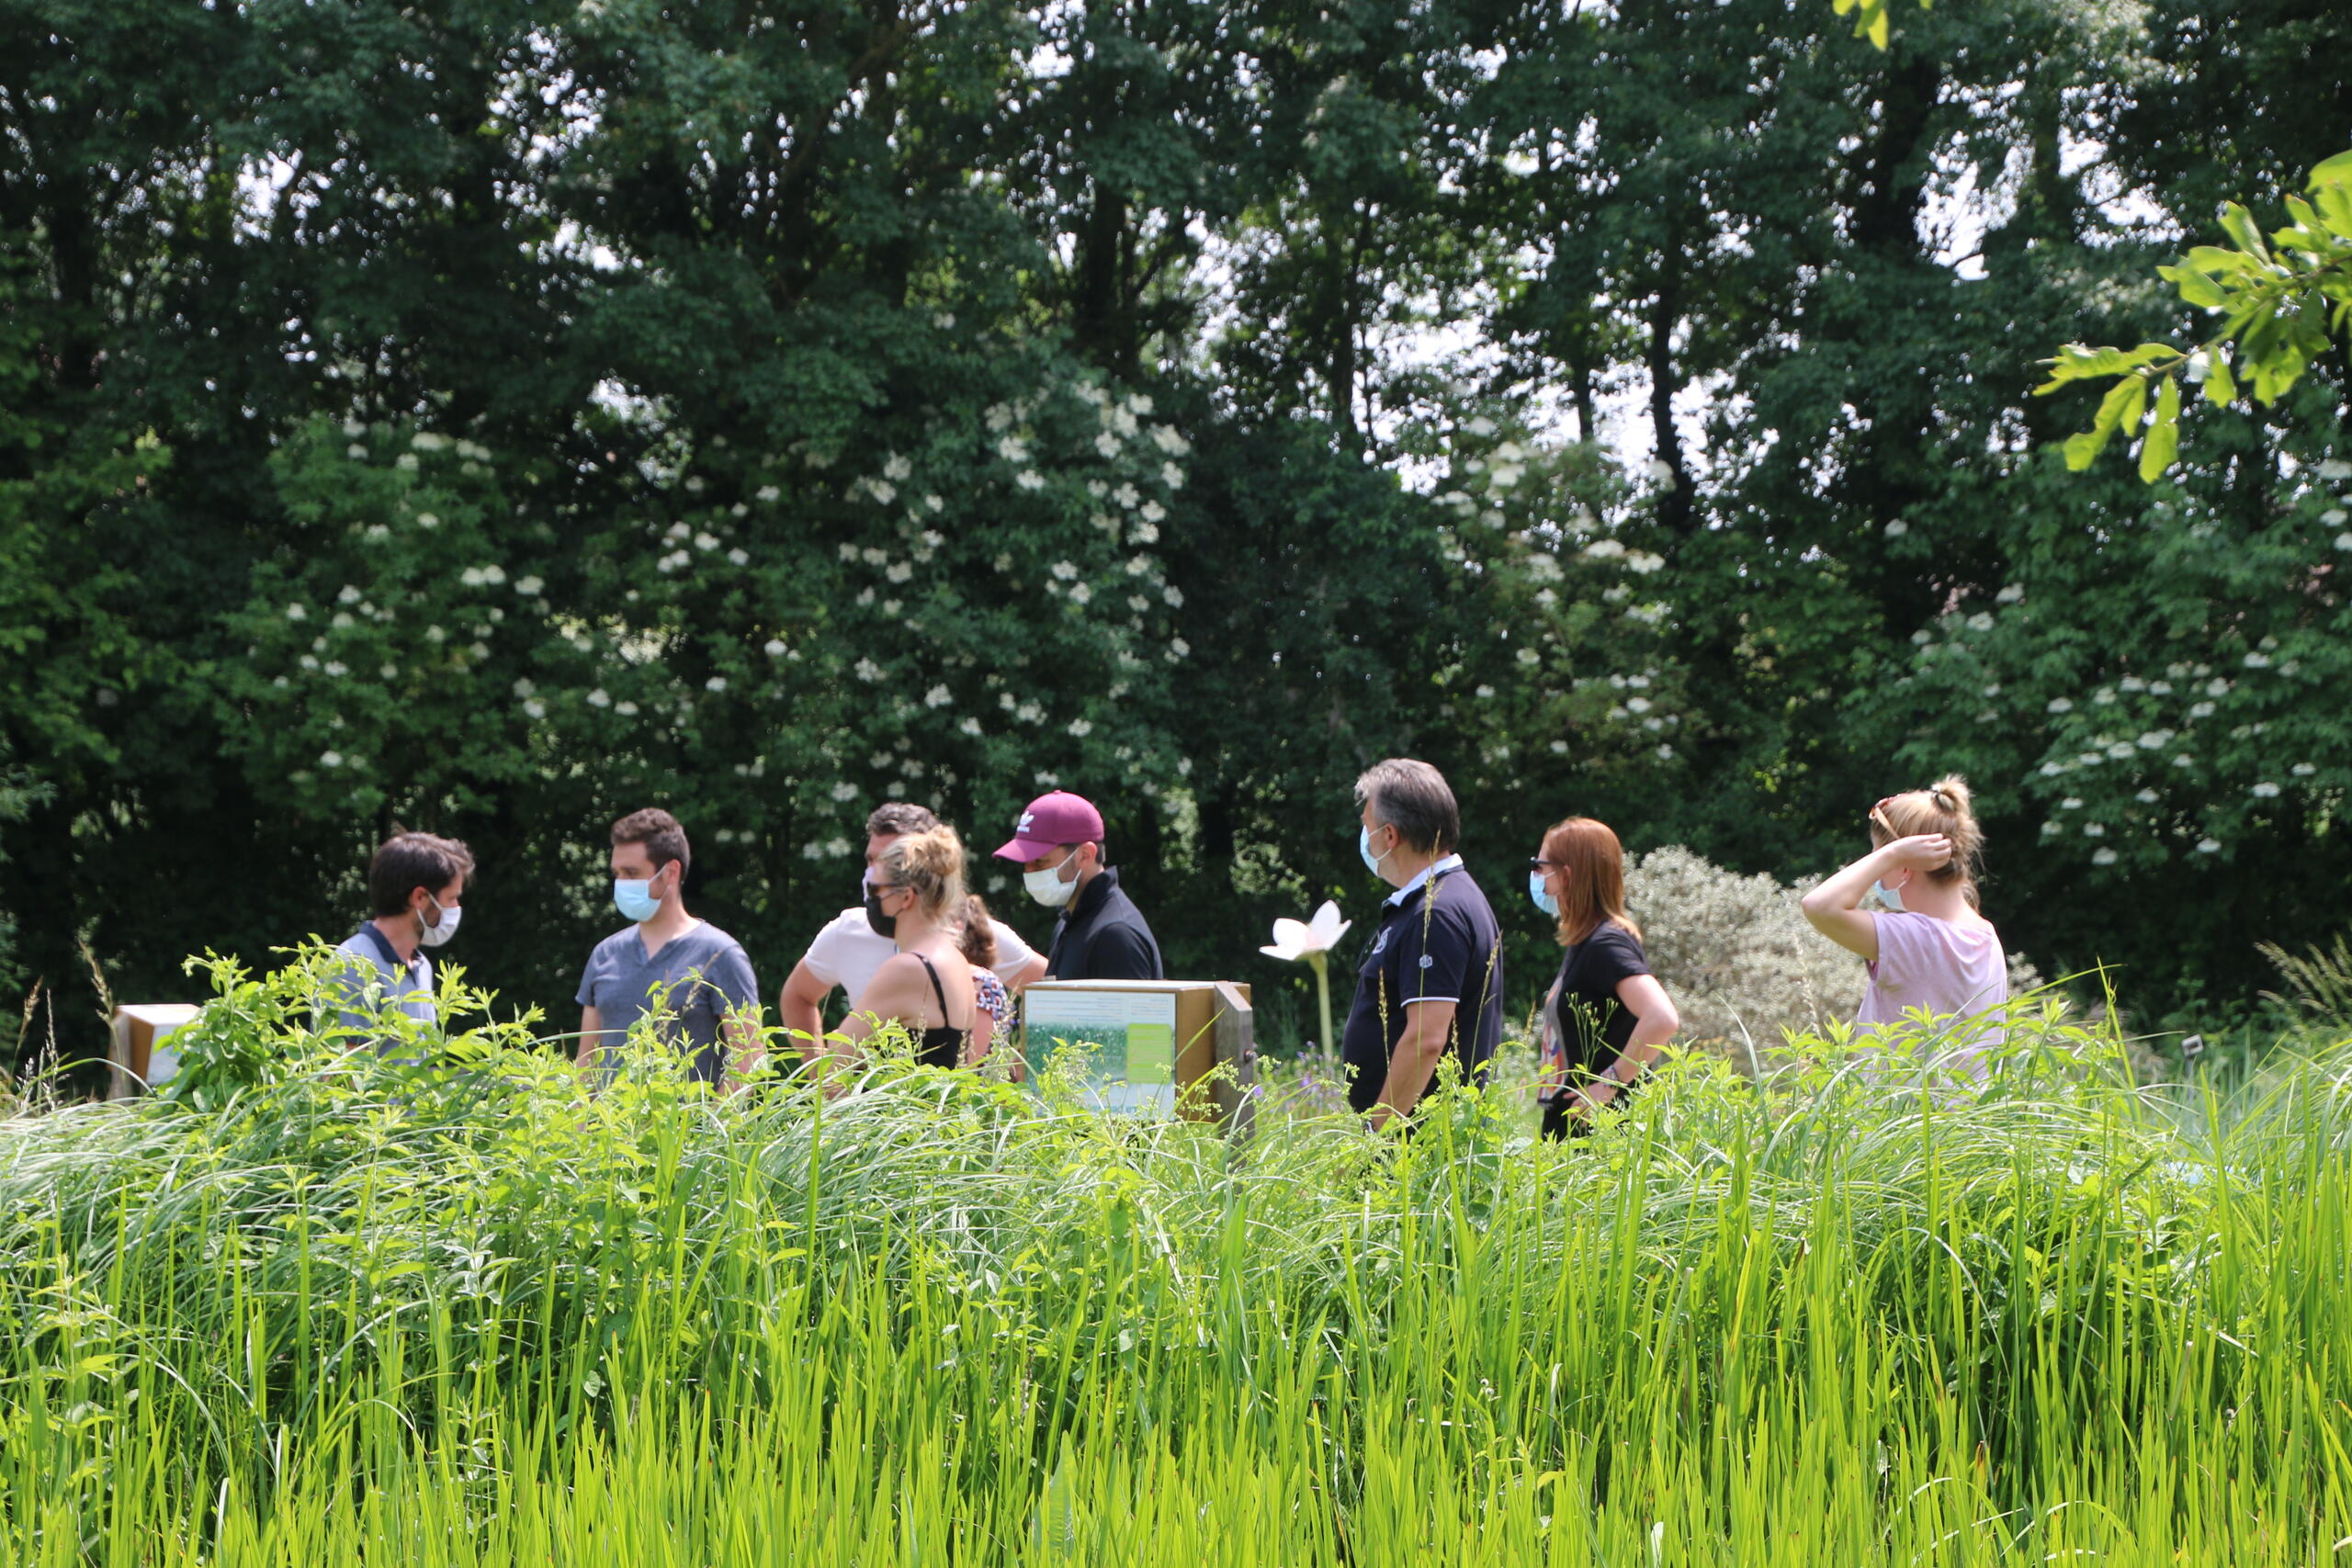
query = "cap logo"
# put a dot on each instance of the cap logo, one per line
(1026, 818)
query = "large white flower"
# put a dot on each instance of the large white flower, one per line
(1294, 939)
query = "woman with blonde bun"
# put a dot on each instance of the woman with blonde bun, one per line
(1930, 951)
(915, 897)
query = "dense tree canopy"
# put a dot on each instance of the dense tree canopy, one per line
(490, 417)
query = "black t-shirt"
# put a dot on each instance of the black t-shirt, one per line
(1589, 1020)
(1439, 944)
(1102, 936)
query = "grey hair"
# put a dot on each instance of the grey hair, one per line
(1414, 798)
(899, 817)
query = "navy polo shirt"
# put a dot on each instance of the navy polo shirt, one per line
(1437, 941)
(1101, 936)
(373, 977)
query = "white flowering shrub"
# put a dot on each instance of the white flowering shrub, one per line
(1578, 672)
(974, 587)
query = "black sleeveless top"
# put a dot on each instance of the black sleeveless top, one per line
(942, 1046)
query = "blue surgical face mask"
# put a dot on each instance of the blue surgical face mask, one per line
(1894, 896)
(634, 898)
(1363, 847)
(1542, 895)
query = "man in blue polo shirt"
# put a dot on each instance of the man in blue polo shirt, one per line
(414, 884)
(1431, 982)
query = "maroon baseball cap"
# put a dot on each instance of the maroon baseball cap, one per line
(1051, 822)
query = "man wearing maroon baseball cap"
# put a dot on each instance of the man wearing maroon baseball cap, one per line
(1101, 935)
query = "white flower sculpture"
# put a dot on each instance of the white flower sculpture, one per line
(1312, 940)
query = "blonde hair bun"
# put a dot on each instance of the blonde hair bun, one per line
(1946, 806)
(931, 863)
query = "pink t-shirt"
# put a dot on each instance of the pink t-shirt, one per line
(1948, 969)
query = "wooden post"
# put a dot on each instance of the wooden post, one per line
(1237, 1047)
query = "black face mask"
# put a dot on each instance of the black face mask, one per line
(884, 925)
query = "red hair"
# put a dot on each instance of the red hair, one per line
(1588, 851)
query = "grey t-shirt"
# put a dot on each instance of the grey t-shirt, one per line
(704, 974)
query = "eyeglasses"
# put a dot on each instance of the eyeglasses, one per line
(1537, 863)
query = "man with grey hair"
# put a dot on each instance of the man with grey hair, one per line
(1431, 984)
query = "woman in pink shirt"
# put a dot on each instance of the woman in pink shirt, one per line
(1930, 951)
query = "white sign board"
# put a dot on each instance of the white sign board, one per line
(1127, 1035)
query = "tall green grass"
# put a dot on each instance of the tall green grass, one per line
(470, 1316)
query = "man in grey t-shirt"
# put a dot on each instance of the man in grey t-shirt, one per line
(668, 963)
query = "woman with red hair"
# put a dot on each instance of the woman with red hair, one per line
(1606, 1016)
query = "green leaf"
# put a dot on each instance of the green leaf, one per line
(2335, 209)
(2218, 260)
(2221, 387)
(2195, 287)
(2121, 406)
(2335, 171)
(2163, 435)
(2124, 406)
(2276, 372)
(2239, 224)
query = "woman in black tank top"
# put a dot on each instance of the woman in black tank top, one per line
(915, 897)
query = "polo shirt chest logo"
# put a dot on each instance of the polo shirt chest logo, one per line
(1380, 944)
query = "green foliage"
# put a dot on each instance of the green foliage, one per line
(17, 797)
(2281, 305)
(2320, 983)
(368, 1313)
(683, 317)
